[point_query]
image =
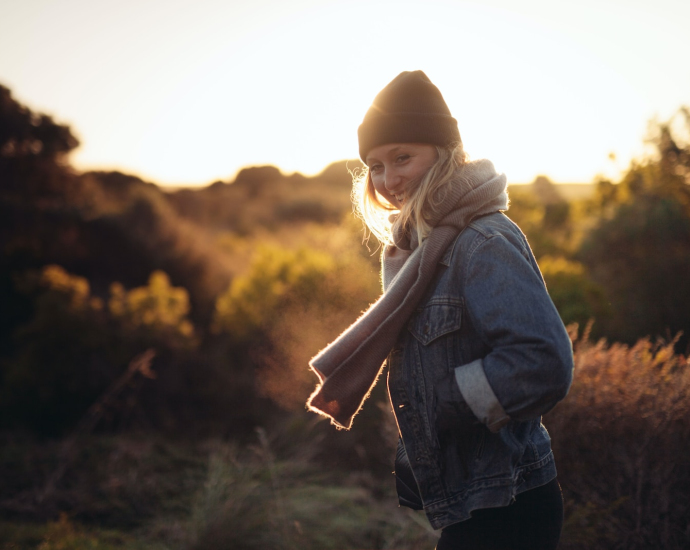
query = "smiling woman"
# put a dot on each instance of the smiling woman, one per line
(396, 169)
(475, 349)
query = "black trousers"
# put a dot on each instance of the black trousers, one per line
(533, 522)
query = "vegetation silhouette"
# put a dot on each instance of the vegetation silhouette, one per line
(235, 285)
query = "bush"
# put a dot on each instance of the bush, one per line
(622, 444)
(287, 306)
(57, 369)
(73, 347)
(641, 257)
(158, 309)
(253, 301)
(576, 297)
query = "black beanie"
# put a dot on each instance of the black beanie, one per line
(410, 109)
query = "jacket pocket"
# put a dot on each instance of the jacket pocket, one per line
(435, 320)
(405, 484)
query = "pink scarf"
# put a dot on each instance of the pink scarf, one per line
(349, 367)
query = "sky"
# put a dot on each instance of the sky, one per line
(189, 92)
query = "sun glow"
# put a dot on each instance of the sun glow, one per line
(193, 96)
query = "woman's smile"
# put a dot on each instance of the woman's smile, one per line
(395, 168)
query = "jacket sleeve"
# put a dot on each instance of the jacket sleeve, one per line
(530, 363)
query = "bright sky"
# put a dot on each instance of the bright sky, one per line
(187, 92)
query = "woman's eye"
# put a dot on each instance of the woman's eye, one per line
(402, 158)
(374, 169)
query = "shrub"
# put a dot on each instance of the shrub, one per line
(641, 257)
(622, 442)
(290, 304)
(276, 276)
(576, 297)
(56, 370)
(73, 348)
(156, 308)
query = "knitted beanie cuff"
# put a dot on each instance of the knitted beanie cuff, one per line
(383, 128)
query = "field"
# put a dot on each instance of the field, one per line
(154, 347)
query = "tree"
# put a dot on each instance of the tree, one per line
(33, 149)
(576, 297)
(58, 366)
(639, 251)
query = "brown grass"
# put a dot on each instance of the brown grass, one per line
(622, 445)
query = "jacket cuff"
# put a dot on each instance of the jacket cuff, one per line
(479, 396)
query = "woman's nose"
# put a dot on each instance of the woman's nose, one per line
(392, 180)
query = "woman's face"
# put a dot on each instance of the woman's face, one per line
(395, 167)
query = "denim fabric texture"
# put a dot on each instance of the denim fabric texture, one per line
(483, 357)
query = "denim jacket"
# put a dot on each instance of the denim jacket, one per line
(483, 357)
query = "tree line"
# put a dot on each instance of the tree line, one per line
(236, 284)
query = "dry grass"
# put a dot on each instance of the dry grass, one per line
(622, 445)
(621, 439)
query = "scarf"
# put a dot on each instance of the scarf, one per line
(349, 367)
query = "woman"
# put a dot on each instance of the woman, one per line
(476, 350)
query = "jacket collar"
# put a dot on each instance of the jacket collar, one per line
(447, 257)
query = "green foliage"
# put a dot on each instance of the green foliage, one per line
(60, 348)
(158, 308)
(641, 257)
(607, 195)
(54, 373)
(276, 277)
(638, 246)
(576, 297)
(545, 220)
(255, 499)
(73, 348)
(291, 303)
(270, 263)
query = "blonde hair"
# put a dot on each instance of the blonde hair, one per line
(421, 200)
